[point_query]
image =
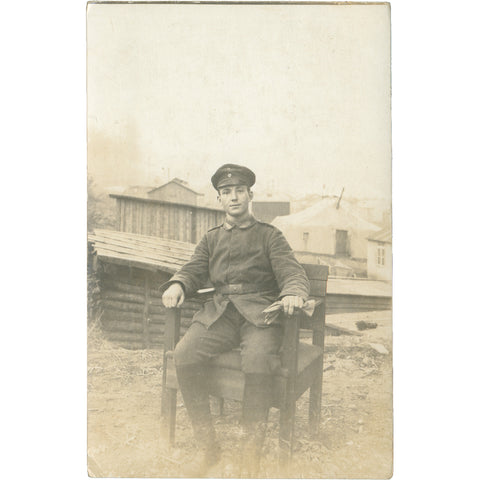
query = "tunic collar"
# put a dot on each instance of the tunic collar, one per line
(247, 223)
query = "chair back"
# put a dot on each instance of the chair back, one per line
(317, 275)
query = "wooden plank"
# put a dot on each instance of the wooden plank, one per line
(130, 326)
(336, 330)
(165, 224)
(353, 303)
(366, 288)
(123, 297)
(137, 327)
(193, 227)
(124, 215)
(181, 221)
(126, 344)
(159, 224)
(126, 274)
(118, 215)
(128, 217)
(134, 312)
(140, 244)
(137, 215)
(172, 226)
(119, 281)
(125, 260)
(143, 239)
(110, 314)
(133, 340)
(125, 336)
(111, 284)
(157, 255)
(122, 306)
(153, 221)
(116, 304)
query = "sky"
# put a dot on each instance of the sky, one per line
(300, 94)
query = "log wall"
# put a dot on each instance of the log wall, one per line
(131, 310)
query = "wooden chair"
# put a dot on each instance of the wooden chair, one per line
(301, 367)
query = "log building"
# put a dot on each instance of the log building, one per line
(128, 270)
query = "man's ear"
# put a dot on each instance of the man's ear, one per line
(250, 195)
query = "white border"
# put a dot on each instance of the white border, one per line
(435, 155)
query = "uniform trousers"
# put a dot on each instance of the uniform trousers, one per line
(259, 346)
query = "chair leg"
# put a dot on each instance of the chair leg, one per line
(171, 399)
(285, 441)
(315, 405)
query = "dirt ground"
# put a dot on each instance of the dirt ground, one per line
(125, 437)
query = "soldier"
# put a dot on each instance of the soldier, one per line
(251, 265)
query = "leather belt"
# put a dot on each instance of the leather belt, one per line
(242, 288)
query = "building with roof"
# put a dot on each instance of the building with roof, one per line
(170, 211)
(176, 191)
(379, 257)
(328, 227)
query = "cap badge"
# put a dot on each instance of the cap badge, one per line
(229, 175)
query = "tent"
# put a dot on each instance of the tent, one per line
(323, 228)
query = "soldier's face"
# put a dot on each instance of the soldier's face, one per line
(235, 199)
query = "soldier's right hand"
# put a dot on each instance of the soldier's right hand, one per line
(173, 296)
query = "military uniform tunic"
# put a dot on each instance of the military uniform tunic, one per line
(250, 266)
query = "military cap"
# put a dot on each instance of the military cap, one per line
(231, 174)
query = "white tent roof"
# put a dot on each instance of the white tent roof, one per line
(325, 214)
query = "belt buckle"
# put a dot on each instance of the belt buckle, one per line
(236, 287)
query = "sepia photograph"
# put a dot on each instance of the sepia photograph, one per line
(239, 216)
(200, 202)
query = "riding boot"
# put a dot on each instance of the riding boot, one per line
(256, 405)
(191, 380)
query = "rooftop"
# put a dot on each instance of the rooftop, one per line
(141, 251)
(384, 235)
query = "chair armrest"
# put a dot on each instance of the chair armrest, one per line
(172, 328)
(173, 315)
(292, 325)
(289, 350)
(318, 323)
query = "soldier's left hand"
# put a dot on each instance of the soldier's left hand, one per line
(290, 303)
